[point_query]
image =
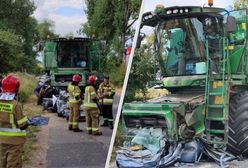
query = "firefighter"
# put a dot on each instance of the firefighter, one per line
(74, 103)
(106, 93)
(13, 124)
(91, 107)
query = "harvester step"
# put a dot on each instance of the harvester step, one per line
(216, 106)
(215, 94)
(216, 131)
(217, 142)
(215, 118)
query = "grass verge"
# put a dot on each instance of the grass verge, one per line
(28, 99)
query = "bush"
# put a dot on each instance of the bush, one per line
(28, 84)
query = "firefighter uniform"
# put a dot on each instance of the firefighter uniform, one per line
(106, 91)
(12, 138)
(74, 104)
(92, 111)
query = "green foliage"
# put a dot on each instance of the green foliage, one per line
(9, 50)
(117, 25)
(240, 4)
(112, 20)
(45, 29)
(141, 73)
(19, 33)
(28, 83)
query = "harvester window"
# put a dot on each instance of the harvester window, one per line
(72, 54)
(182, 44)
(238, 37)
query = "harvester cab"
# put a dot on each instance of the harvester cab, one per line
(202, 53)
(62, 58)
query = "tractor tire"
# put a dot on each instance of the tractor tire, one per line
(238, 124)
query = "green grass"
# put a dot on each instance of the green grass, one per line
(28, 99)
(28, 83)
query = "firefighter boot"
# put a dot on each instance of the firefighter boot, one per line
(70, 127)
(96, 133)
(77, 130)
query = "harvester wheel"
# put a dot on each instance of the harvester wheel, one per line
(238, 124)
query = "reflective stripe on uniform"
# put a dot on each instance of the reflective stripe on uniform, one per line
(23, 120)
(72, 94)
(107, 101)
(95, 129)
(70, 123)
(73, 101)
(12, 132)
(88, 128)
(11, 120)
(92, 93)
(110, 120)
(87, 102)
(74, 123)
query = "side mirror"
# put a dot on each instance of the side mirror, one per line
(138, 44)
(231, 24)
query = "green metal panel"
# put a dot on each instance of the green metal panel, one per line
(49, 55)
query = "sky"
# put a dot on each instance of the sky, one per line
(68, 15)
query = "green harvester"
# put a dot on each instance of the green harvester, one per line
(64, 57)
(203, 57)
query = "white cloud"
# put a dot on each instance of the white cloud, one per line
(67, 24)
(63, 24)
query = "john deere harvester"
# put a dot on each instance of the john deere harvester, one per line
(203, 56)
(62, 58)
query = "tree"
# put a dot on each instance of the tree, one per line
(9, 50)
(45, 29)
(18, 34)
(116, 27)
(238, 4)
(142, 71)
(112, 20)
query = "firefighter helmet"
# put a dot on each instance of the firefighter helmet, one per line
(10, 84)
(92, 79)
(76, 78)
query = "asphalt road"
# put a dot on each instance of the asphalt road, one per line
(77, 150)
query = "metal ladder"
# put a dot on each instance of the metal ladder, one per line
(217, 102)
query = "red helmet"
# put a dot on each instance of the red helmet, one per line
(10, 84)
(76, 78)
(92, 79)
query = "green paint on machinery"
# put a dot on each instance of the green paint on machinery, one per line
(202, 53)
(62, 58)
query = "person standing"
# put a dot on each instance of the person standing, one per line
(91, 107)
(106, 93)
(13, 124)
(74, 103)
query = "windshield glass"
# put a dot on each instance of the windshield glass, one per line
(181, 44)
(72, 54)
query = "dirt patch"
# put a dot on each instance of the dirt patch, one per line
(38, 156)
